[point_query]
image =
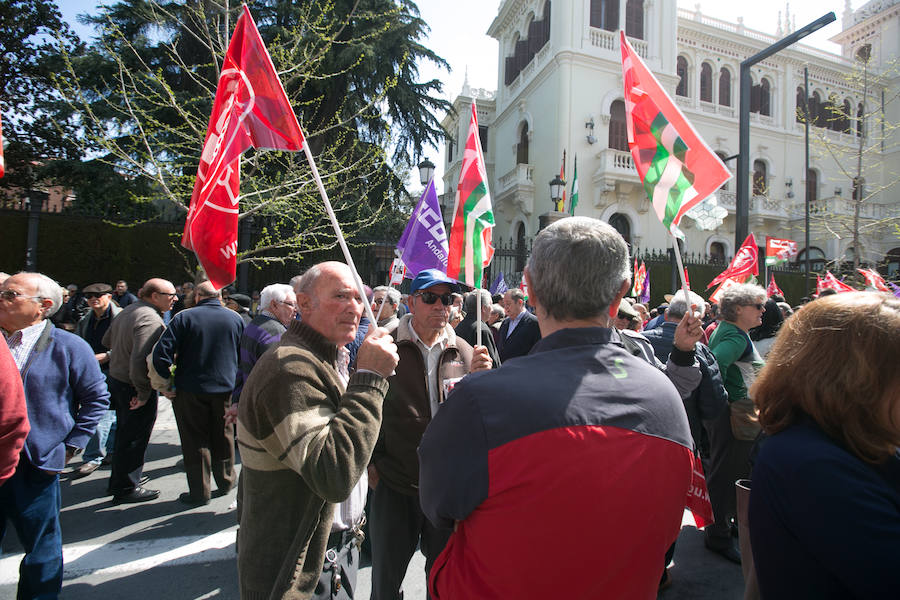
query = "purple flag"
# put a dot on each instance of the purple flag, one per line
(423, 244)
(499, 286)
(645, 291)
(894, 288)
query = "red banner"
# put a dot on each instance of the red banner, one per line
(250, 110)
(698, 497)
(773, 289)
(744, 263)
(874, 280)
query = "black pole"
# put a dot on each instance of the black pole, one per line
(34, 203)
(742, 198)
(806, 173)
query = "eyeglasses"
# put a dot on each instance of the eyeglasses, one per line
(90, 295)
(169, 294)
(431, 298)
(291, 304)
(11, 295)
(757, 306)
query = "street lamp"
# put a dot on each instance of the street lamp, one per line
(557, 186)
(742, 200)
(426, 171)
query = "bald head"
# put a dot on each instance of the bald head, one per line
(158, 292)
(205, 290)
(331, 268)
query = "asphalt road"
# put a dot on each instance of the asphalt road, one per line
(165, 550)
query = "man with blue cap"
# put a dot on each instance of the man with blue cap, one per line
(432, 360)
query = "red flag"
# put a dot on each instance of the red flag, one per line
(250, 110)
(779, 250)
(2, 158)
(744, 263)
(830, 281)
(698, 497)
(562, 176)
(819, 285)
(773, 289)
(874, 280)
(717, 293)
(687, 280)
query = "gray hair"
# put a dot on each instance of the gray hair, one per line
(295, 282)
(577, 267)
(277, 292)
(47, 289)
(678, 307)
(472, 299)
(496, 309)
(392, 295)
(742, 294)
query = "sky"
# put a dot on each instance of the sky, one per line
(459, 35)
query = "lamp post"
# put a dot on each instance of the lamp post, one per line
(742, 200)
(426, 171)
(557, 186)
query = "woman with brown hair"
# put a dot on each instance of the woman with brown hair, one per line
(825, 503)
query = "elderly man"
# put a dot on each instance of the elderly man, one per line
(387, 300)
(519, 331)
(306, 429)
(279, 306)
(91, 328)
(517, 456)
(203, 344)
(432, 360)
(66, 395)
(477, 313)
(130, 338)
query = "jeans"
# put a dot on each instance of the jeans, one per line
(30, 499)
(104, 439)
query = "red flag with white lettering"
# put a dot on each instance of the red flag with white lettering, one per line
(874, 280)
(250, 110)
(698, 497)
(744, 263)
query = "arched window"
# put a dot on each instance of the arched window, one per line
(706, 83)
(817, 110)
(511, 70)
(760, 178)
(634, 19)
(620, 223)
(801, 105)
(520, 247)
(892, 263)
(717, 253)
(860, 125)
(816, 258)
(765, 99)
(681, 69)
(724, 87)
(605, 14)
(812, 186)
(832, 113)
(846, 111)
(618, 132)
(522, 146)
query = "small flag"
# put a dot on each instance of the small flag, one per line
(677, 169)
(744, 263)
(644, 298)
(639, 275)
(561, 206)
(779, 250)
(687, 280)
(698, 497)
(473, 218)
(573, 201)
(772, 289)
(830, 281)
(499, 286)
(874, 280)
(524, 288)
(423, 244)
(250, 110)
(398, 271)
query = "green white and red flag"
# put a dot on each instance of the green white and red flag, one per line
(874, 280)
(638, 277)
(773, 289)
(779, 250)
(744, 263)
(470, 248)
(676, 166)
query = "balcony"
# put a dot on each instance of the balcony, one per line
(837, 206)
(516, 187)
(609, 40)
(760, 206)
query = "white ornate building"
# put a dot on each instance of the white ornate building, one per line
(560, 89)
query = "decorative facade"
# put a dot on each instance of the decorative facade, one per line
(560, 90)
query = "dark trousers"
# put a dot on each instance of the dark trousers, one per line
(397, 523)
(133, 429)
(206, 444)
(30, 499)
(729, 460)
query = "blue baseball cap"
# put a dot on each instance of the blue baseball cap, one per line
(431, 277)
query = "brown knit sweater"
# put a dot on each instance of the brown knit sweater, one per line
(304, 442)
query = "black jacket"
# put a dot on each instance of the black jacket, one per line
(524, 336)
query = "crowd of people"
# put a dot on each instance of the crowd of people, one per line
(495, 434)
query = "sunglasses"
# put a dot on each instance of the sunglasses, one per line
(11, 295)
(90, 295)
(758, 306)
(431, 298)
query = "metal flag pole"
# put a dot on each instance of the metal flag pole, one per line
(340, 236)
(684, 285)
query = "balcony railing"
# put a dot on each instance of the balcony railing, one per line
(608, 40)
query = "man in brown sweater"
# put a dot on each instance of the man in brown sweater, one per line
(306, 433)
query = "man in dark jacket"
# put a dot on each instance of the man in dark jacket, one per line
(520, 330)
(203, 345)
(66, 395)
(432, 360)
(476, 315)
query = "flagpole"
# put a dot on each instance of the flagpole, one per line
(684, 285)
(340, 236)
